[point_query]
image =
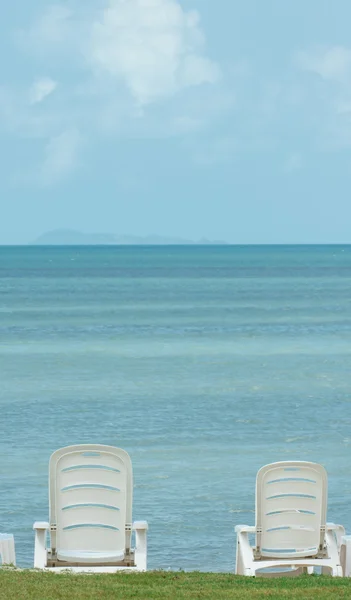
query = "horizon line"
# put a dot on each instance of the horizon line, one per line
(175, 245)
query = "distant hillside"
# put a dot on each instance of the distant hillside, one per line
(67, 237)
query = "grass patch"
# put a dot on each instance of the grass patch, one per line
(155, 585)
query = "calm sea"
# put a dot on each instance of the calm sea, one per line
(204, 363)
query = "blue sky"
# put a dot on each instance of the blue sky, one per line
(229, 120)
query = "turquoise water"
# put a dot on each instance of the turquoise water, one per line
(204, 363)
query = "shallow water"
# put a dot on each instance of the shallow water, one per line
(204, 363)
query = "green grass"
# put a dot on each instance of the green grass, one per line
(31, 585)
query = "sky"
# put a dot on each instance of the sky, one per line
(226, 119)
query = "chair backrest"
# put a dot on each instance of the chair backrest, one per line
(90, 497)
(291, 509)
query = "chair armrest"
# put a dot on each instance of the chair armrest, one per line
(41, 525)
(245, 529)
(339, 531)
(140, 526)
(335, 527)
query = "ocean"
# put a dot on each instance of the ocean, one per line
(203, 362)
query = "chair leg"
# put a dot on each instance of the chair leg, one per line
(141, 549)
(239, 567)
(40, 549)
(7, 549)
(345, 555)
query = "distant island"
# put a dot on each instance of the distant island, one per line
(68, 237)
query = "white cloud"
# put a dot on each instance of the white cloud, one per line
(41, 88)
(332, 64)
(153, 46)
(124, 55)
(61, 156)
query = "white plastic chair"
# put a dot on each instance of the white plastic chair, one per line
(291, 530)
(7, 549)
(90, 513)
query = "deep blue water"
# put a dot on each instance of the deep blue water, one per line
(204, 363)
